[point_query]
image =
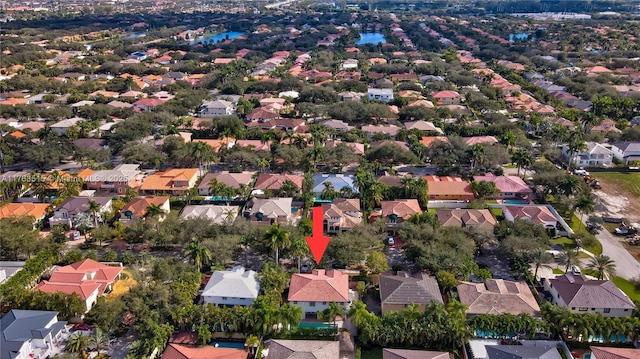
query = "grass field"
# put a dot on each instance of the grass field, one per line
(627, 287)
(564, 242)
(630, 181)
(594, 246)
(557, 271)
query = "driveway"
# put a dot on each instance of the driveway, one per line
(120, 348)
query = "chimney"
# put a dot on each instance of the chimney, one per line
(319, 272)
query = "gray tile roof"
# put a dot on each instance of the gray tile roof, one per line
(578, 291)
(522, 352)
(237, 282)
(20, 326)
(412, 354)
(404, 289)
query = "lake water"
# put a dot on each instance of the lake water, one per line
(227, 35)
(371, 38)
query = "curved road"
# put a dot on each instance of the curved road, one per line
(627, 267)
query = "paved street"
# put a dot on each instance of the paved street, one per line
(120, 348)
(627, 267)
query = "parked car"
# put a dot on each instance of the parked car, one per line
(75, 235)
(625, 230)
(391, 241)
(575, 270)
(580, 172)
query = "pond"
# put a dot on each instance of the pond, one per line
(371, 38)
(227, 35)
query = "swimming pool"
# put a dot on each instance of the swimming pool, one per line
(233, 345)
(514, 201)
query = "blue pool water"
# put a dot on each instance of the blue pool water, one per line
(371, 38)
(228, 345)
(587, 356)
(514, 201)
(315, 325)
(227, 35)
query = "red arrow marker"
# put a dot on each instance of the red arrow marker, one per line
(318, 242)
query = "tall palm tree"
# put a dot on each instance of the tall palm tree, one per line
(94, 207)
(277, 237)
(539, 258)
(199, 254)
(203, 153)
(570, 185)
(299, 249)
(477, 154)
(522, 159)
(585, 205)
(98, 340)
(262, 163)
(602, 265)
(329, 192)
(290, 315)
(576, 145)
(153, 211)
(568, 258)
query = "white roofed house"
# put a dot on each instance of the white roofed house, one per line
(384, 94)
(236, 286)
(221, 215)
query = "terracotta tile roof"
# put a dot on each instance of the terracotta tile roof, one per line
(86, 271)
(256, 144)
(320, 286)
(233, 180)
(17, 134)
(340, 208)
(179, 351)
(537, 214)
(496, 296)
(506, 184)
(428, 140)
(138, 206)
(37, 210)
(615, 353)
(84, 289)
(217, 144)
(403, 208)
(163, 181)
(446, 94)
(452, 186)
(274, 181)
(470, 141)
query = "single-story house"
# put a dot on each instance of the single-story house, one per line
(538, 214)
(220, 215)
(174, 181)
(231, 179)
(307, 349)
(182, 351)
(581, 295)
(268, 210)
(509, 186)
(413, 354)
(497, 296)
(459, 217)
(449, 189)
(137, 208)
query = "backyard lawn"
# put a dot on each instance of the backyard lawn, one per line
(595, 246)
(629, 181)
(627, 287)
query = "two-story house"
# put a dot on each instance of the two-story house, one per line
(30, 334)
(313, 292)
(581, 295)
(67, 211)
(216, 108)
(341, 215)
(174, 181)
(626, 152)
(594, 154)
(115, 181)
(137, 208)
(236, 286)
(88, 279)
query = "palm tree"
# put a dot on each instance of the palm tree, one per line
(277, 237)
(602, 265)
(315, 154)
(94, 207)
(329, 192)
(508, 139)
(99, 340)
(477, 154)
(290, 315)
(71, 187)
(262, 163)
(78, 343)
(39, 185)
(539, 258)
(153, 211)
(198, 253)
(299, 248)
(576, 145)
(522, 159)
(585, 205)
(568, 258)
(252, 343)
(335, 310)
(570, 185)
(203, 153)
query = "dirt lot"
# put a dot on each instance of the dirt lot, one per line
(616, 198)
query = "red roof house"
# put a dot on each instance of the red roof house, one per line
(314, 291)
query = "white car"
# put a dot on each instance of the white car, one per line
(581, 172)
(391, 241)
(575, 270)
